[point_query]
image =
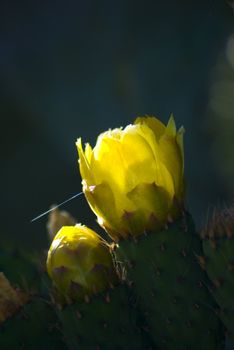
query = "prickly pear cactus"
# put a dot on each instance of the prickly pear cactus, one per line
(11, 299)
(26, 322)
(133, 180)
(84, 273)
(148, 289)
(218, 261)
(35, 326)
(171, 287)
(107, 321)
(19, 267)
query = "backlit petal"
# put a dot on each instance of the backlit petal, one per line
(153, 123)
(84, 163)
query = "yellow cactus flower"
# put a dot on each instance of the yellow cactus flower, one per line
(133, 178)
(80, 263)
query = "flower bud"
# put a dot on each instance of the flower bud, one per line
(80, 263)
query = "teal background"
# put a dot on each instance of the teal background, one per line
(76, 68)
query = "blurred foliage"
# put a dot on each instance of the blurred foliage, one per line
(220, 121)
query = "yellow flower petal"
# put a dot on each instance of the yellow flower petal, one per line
(171, 157)
(151, 199)
(156, 170)
(108, 208)
(153, 123)
(83, 163)
(107, 163)
(88, 152)
(171, 127)
(138, 155)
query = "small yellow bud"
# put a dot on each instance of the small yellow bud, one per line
(133, 178)
(80, 263)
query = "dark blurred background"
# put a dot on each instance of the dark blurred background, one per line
(76, 68)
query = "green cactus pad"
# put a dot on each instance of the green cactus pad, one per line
(19, 268)
(171, 287)
(218, 247)
(107, 321)
(33, 327)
